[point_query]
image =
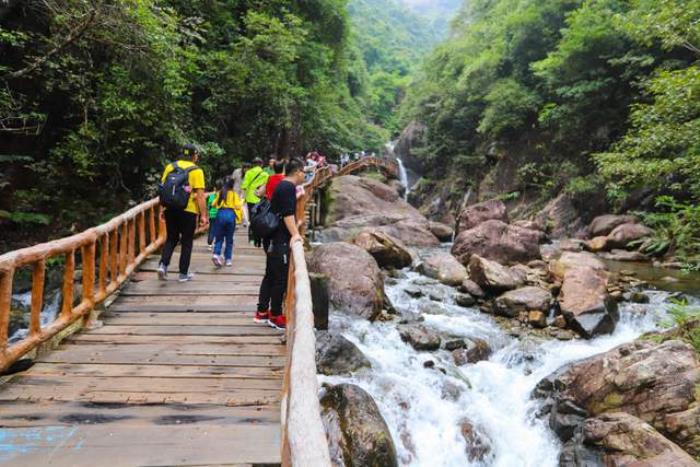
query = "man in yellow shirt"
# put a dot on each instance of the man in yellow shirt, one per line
(181, 224)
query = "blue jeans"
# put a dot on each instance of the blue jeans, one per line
(224, 227)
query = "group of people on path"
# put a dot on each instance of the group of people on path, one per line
(182, 193)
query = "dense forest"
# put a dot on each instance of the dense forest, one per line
(599, 99)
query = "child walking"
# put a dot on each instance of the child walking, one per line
(212, 213)
(229, 207)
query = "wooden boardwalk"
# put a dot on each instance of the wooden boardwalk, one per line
(178, 374)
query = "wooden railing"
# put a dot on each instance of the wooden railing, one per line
(109, 254)
(303, 436)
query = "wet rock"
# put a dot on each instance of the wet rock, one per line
(442, 231)
(623, 439)
(455, 344)
(537, 319)
(473, 215)
(498, 241)
(523, 299)
(603, 225)
(336, 355)
(476, 350)
(413, 291)
(518, 274)
(356, 431)
(560, 322)
(597, 244)
(445, 268)
(638, 297)
(356, 285)
(360, 202)
(464, 300)
(419, 337)
(656, 382)
(549, 252)
(585, 303)
(472, 288)
(624, 255)
(527, 224)
(560, 217)
(624, 234)
(571, 244)
(451, 391)
(565, 417)
(537, 264)
(490, 275)
(478, 446)
(389, 252)
(569, 260)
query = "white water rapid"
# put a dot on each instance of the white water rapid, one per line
(403, 178)
(424, 406)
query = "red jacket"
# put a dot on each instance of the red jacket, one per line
(272, 183)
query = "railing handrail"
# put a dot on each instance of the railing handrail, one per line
(124, 242)
(304, 441)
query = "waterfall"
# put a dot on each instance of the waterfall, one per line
(403, 178)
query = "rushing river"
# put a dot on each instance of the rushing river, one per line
(424, 406)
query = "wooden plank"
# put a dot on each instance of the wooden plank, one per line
(176, 330)
(261, 344)
(27, 414)
(145, 445)
(192, 302)
(160, 356)
(131, 370)
(190, 319)
(130, 306)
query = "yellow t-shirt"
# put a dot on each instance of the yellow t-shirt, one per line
(232, 201)
(196, 179)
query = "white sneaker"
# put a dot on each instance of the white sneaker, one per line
(185, 277)
(229, 263)
(162, 272)
(217, 261)
(210, 247)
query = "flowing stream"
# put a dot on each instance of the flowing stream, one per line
(403, 178)
(424, 407)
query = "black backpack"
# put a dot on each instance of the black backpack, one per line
(263, 222)
(174, 192)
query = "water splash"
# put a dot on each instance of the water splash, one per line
(424, 406)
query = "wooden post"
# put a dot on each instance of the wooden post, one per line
(152, 234)
(5, 302)
(131, 247)
(162, 233)
(88, 253)
(38, 278)
(123, 248)
(142, 231)
(104, 255)
(68, 273)
(113, 258)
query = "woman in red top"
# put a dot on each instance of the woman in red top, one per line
(274, 180)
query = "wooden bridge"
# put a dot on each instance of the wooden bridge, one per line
(169, 373)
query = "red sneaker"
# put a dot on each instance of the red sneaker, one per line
(262, 316)
(278, 322)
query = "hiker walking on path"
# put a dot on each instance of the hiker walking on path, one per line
(212, 213)
(182, 194)
(237, 182)
(229, 213)
(274, 284)
(274, 179)
(253, 179)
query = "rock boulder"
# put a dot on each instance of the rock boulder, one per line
(624, 234)
(473, 215)
(603, 225)
(585, 303)
(445, 268)
(498, 241)
(569, 260)
(356, 285)
(357, 433)
(335, 355)
(419, 337)
(442, 231)
(511, 303)
(490, 275)
(389, 252)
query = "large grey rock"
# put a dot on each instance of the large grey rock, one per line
(603, 225)
(419, 336)
(490, 275)
(585, 302)
(442, 231)
(656, 382)
(390, 252)
(356, 285)
(445, 268)
(498, 241)
(529, 298)
(473, 215)
(360, 202)
(569, 260)
(624, 234)
(410, 138)
(356, 431)
(560, 217)
(336, 355)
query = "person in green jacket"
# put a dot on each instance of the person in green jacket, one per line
(254, 178)
(213, 211)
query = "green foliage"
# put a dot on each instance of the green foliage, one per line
(684, 319)
(25, 217)
(676, 228)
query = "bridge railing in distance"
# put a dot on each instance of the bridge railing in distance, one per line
(121, 245)
(304, 441)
